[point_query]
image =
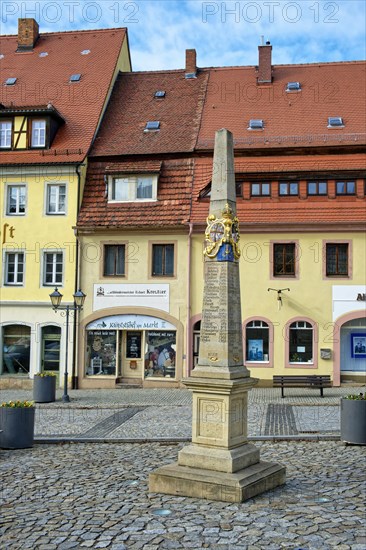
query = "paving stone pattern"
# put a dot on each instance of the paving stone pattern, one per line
(96, 496)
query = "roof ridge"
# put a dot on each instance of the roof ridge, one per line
(83, 31)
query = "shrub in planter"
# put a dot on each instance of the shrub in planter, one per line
(353, 419)
(16, 424)
(44, 387)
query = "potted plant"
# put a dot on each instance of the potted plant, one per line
(353, 419)
(44, 387)
(16, 424)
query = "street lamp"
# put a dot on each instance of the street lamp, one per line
(56, 298)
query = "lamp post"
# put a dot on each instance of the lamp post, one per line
(56, 298)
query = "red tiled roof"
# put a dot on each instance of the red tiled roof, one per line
(172, 208)
(275, 212)
(133, 104)
(43, 80)
(296, 119)
(136, 167)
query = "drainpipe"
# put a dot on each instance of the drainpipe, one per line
(74, 374)
(189, 331)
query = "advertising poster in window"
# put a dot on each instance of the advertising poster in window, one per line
(255, 349)
(160, 354)
(358, 346)
(134, 345)
(101, 352)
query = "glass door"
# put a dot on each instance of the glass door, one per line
(50, 351)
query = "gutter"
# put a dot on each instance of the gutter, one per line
(188, 328)
(74, 375)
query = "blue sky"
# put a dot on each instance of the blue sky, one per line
(223, 33)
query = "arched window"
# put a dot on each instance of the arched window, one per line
(257, 342)
(301, 342)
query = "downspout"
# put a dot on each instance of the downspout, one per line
(188, 328)
(74, 374)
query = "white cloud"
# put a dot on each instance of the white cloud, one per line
(223, 33)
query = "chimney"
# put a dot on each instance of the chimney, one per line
(265, 63)
(28, 32)
(191, 64)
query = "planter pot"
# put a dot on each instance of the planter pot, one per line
(44, 389)
(17, 427)
(353, 421)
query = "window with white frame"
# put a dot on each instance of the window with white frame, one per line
(14, 268)
(38, 138)
(52, 268)
(257, 341)
(16, 197)
(133, 188)
(56, 199)
(301, 342)
(5, 134)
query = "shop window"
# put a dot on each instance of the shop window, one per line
(260, 189)
(16, 197)
(14, 268)
(284, 259)
(52, 268)
(16, 349)
(336, 259)
(346, 187)
(160, 354)
(317, 188)
(56, 199)
(101, 352)
(301, 342)
(5, 134)
(163, 260)
(38, 138)
(257, 341)
(289, 188)
(114, 260)
(133, 188)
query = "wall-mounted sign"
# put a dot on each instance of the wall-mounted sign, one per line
(347, 298)
(130, 322)
(155, 296)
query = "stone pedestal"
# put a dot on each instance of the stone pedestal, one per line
(220, 464)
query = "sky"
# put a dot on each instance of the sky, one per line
(223, 33)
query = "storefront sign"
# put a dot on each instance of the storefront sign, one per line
(130, 322)
(113, 295)
(347, 298)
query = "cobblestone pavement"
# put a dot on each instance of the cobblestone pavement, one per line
(166, 414)
(96, 496)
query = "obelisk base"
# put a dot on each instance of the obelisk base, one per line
(219, 464)
(211, 485)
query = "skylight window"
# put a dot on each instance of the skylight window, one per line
(43, 54)
(188, 76)
(75, 77)
(293, 87)
(256, 124)
(10, 81)
(85, 52)
(152, 125)
(159, 94)
(335, 122)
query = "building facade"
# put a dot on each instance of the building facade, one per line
(55, 88)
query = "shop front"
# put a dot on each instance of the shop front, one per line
(131, 348)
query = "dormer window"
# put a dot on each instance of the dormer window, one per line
(38, 133)
(256, 124)
(152, 126)
(131, 188)
(293, 87)
(335, 122)
(5, 134)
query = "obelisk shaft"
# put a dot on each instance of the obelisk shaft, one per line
(221, 348)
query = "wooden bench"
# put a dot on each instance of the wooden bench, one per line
(302, 381)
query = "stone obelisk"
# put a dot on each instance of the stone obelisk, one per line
(220, 464)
